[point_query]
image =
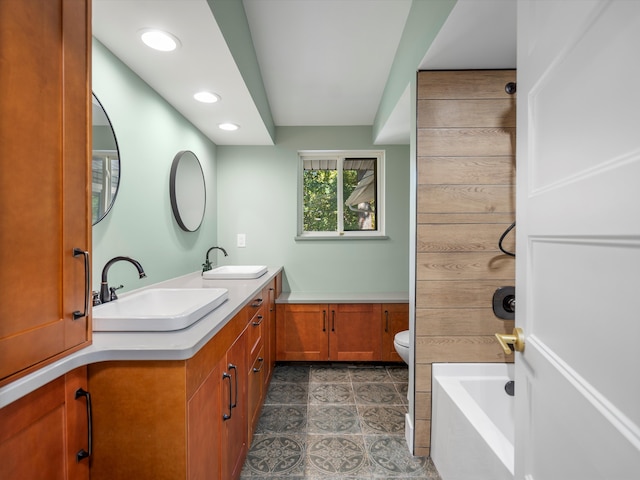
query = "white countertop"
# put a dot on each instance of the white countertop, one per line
(173, 345)
(391, 297)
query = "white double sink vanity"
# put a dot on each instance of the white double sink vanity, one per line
(170, 320)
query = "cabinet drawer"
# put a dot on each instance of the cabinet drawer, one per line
(256, 329)
(255, 389)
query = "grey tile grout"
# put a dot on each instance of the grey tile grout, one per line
(363, 437)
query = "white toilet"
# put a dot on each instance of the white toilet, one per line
(401, 344)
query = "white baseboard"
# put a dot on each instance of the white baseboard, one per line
(408, 432)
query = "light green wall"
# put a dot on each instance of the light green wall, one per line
(141, 225)
(232, 20)
(257, 195)
(424, 21)
(250, 190)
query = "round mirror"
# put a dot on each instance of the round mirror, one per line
(105, 164)
(187, 191)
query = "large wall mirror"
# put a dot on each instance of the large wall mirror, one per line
(105, 164)
(187, 191)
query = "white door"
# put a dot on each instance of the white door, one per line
(578, 240)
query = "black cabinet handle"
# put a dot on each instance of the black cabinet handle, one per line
(226, 416)
(82, 453)
(386, 318)
(87, 283)
(257, 303)
(257, 324)
(324, 320)
(233, 367)
(261, 361)
(333, 320)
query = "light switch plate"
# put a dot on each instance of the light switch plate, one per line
(242, 240)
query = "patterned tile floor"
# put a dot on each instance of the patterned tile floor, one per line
(334, 422)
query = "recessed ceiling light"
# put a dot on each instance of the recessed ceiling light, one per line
(206, 97)
(159, 40)
(228, 126)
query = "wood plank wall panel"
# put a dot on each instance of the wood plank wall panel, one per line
(465, 113)
(466, 199)
(461, 238)
(466, 170)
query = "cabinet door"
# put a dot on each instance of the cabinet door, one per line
(203, 438)
(302, 332)
(235, 409)
(395, 318)
(41, 433)
(255, 390)
(44, 180)
(139, 415)
(355, 332)
(270, 334)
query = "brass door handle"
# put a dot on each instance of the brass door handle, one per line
(512, 342)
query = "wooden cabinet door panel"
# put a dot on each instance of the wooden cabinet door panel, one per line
(234, 429)
(45, 50)
(355, 332)
(41, 433)
(255, 389)
(395, 318)
(139, 415)
(32, 442)
(270, 333)
(302, 332)
(203, 438)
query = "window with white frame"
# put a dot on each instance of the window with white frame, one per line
(341, 194)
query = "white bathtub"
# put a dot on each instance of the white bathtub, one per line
(472, 425)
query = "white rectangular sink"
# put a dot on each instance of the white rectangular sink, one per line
(157, 309)
(235, 272)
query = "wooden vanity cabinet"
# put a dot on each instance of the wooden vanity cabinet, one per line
(42, 433)
(395, 318)
(321, 332)
(45, 52)
(166, 419)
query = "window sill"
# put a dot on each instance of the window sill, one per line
(304, 238)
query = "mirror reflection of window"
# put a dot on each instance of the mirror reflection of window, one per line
(105, 176)
(105, 164)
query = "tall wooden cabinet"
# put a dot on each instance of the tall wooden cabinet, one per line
(45, 51)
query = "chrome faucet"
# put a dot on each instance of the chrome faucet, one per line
(108, 294)
(206, 266)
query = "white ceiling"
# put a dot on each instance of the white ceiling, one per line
(323, 62)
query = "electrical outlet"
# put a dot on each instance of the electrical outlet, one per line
(242, 240)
